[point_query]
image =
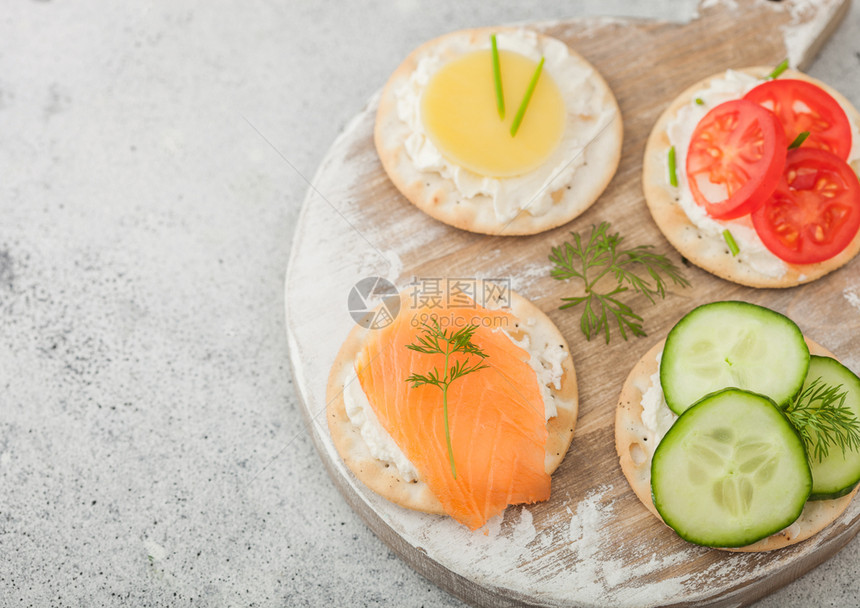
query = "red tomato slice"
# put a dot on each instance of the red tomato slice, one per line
(801, 106)
(814, 213)
(735, 158)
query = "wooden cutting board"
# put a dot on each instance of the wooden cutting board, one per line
(592, 543)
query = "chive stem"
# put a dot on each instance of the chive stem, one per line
(497, 78)
(801, 137)
(730, 241)
(673, 174)
(700, 101)
(526, 98)
(778, 70)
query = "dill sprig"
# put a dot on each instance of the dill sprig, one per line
(602, 255)
(823, 420)
(438, 341)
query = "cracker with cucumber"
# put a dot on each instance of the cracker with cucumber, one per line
(738, 432)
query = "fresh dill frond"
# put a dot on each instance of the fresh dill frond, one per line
(437, 341)
(823, 420)
(638, 269)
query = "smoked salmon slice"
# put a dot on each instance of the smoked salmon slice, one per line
(496, 414)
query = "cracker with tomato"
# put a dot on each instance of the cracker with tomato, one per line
(744, 169)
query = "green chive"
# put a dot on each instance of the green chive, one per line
(798, 140)
(700, 101)
(778, 70)
(730, 241)
(673, 175)
(526, 98)
(497, 77)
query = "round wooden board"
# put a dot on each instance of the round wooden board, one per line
(592, 543)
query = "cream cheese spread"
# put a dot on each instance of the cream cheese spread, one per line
(378, 441)
(656, 415)
(545, 357)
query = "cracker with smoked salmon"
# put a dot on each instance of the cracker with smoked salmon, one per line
(511, 422)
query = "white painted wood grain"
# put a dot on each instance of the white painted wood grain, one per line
(590, 544)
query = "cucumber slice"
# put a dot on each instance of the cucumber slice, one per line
(838, 473)
(732, 344)
(730, 471)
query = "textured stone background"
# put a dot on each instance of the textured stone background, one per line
(151, 449)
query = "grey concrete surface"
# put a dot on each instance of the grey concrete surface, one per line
(151, 449)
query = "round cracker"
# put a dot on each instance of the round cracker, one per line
(631, 442)
(712, 254)
(384, 478)
(437, 196)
